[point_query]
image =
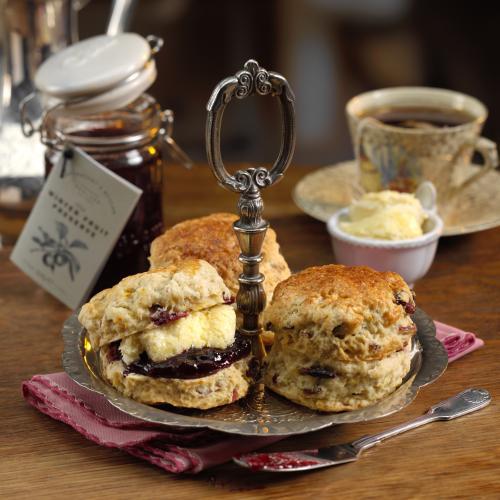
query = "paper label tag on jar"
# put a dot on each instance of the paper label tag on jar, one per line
(73, 227)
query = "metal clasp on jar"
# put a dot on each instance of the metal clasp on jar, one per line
(172, 148)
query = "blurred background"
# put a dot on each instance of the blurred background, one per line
(329, 50)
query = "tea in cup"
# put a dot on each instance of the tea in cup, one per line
(405, 135)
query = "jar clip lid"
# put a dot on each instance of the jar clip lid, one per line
(99, 74)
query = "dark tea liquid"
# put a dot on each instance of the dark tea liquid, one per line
(418, 117)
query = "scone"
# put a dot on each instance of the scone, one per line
(342, 336)
(168, 336)
(212, 238)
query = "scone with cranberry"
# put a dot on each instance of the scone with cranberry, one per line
(212, 238)
(168, 336)
(342, 336)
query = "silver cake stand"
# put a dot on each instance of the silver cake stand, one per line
(261, 412)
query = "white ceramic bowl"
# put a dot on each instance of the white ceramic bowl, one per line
(409, 258)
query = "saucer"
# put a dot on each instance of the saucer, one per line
(325, 191)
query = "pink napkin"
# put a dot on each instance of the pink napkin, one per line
(456, 342)
(173, 449)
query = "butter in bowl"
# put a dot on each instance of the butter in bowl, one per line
(389, 231)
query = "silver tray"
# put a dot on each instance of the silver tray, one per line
(262, 412)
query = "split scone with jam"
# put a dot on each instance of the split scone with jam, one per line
(212, 238)
(342, 336)
(168, 336)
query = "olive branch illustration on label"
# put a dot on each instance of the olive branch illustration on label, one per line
(58, 252)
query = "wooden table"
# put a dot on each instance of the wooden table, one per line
(46, 459)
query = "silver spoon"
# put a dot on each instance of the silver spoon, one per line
(463, 403)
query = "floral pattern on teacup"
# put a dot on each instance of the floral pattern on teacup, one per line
(393, 158)
(389, 166)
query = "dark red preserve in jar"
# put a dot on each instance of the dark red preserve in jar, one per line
(129, 141)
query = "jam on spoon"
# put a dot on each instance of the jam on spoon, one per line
(283, 460)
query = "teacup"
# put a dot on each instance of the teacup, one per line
(405, 135)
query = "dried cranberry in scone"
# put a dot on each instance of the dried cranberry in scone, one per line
(161, 316)
(406, 300)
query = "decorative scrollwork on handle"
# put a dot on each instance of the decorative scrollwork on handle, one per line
(250, 228)
(262, 84)
(252, 80)
(252, 179)
(245, 84)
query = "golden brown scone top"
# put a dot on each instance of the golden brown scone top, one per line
(356, 284)
(125, 309)
(341, 301)
(212, 238)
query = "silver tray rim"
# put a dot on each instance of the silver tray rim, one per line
(251, 416)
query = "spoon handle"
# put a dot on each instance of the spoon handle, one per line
(463, 403)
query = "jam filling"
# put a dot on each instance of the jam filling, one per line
(193, 363)
(160, 316)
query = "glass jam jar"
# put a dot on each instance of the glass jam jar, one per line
(130, 142)
(93, 97)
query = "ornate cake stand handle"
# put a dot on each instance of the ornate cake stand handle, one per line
(250, 228)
